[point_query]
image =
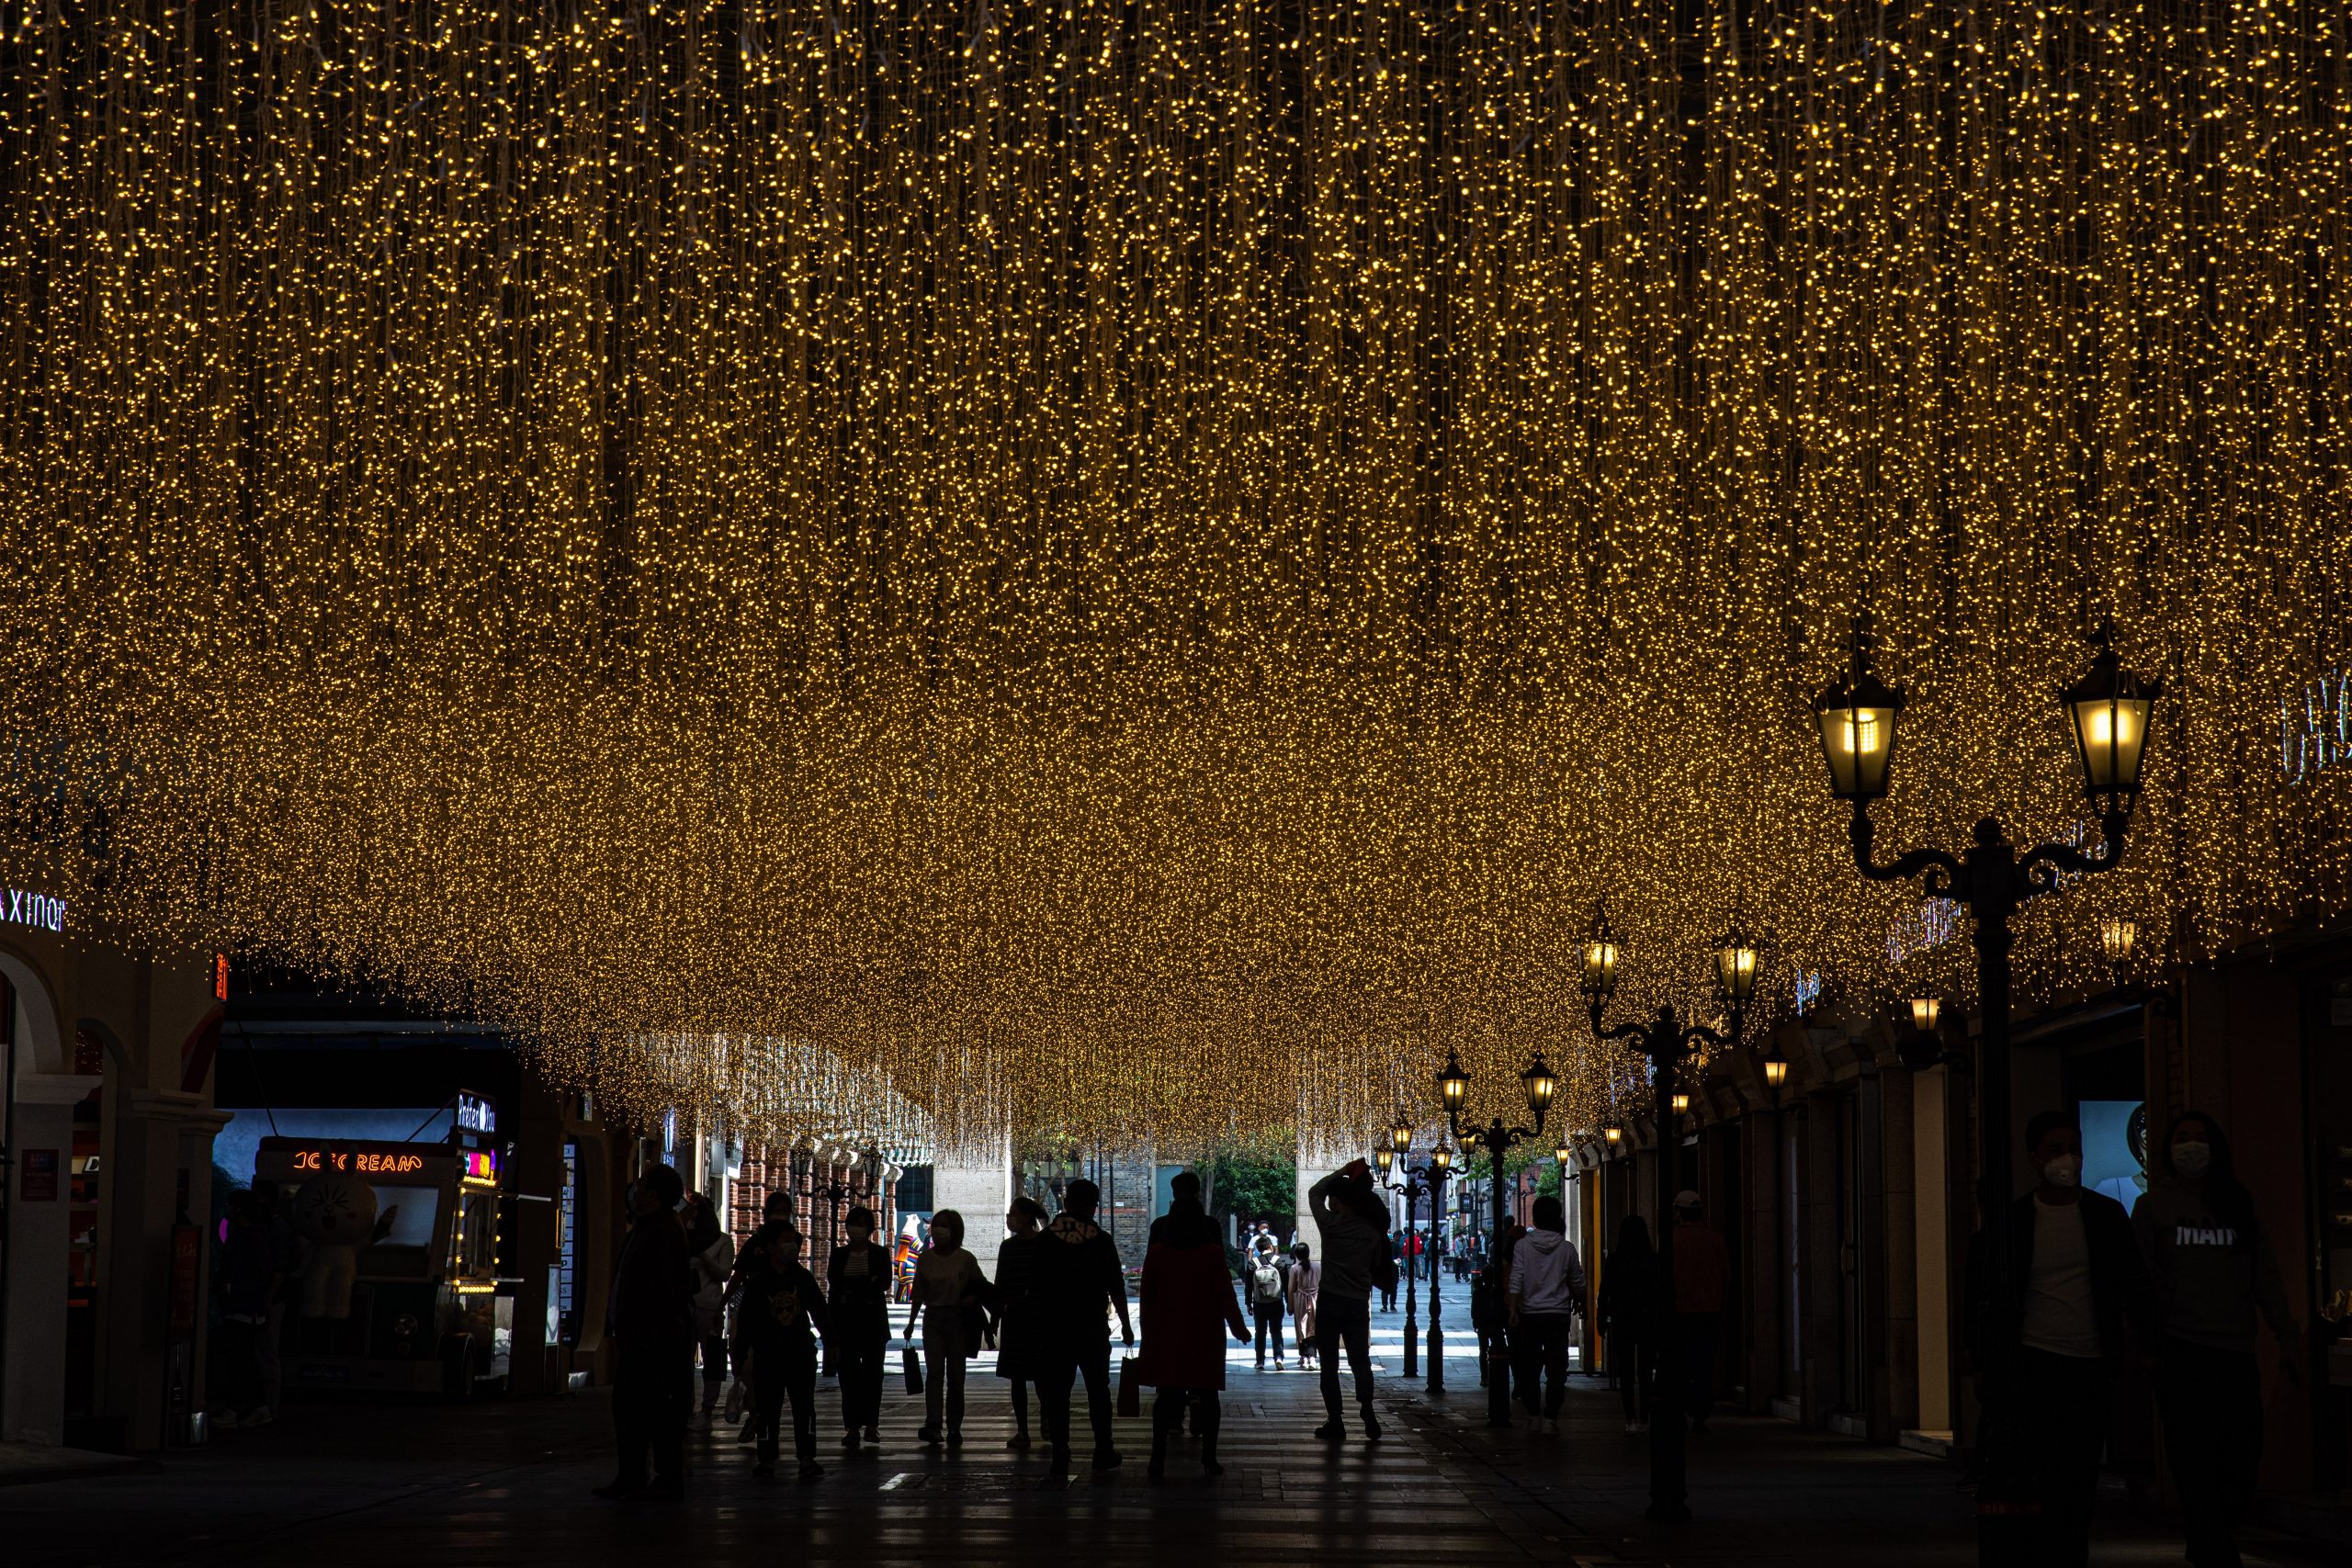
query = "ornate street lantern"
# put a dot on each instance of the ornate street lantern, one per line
(1925, 1011)
(1600, 959)
(1542, 1084)
(1681, 1103)
(1400, 1136)
(1738, 964)
(2116, 938)
(1442, 1157)
(1776, 1071)
(1383, 1156)
(1453, 1083)
(2108, 710)
(1856, 717)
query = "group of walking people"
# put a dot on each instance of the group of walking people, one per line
(681, 1287)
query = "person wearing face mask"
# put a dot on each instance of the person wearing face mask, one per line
(2214, 1275)
(2044, 1341)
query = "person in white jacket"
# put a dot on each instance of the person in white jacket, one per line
(1546, 1289)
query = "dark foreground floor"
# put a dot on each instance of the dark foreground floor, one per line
(506, 1482)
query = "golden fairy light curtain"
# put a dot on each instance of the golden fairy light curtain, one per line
(1133, 567)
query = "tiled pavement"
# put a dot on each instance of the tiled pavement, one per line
(506, 1482)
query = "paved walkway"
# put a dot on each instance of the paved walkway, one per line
(506, 1482)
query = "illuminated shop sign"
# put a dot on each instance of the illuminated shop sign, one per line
(35, 909)
(478, 1167)
(357, 1162)
(476, 1114)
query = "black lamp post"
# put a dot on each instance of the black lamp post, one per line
(1497, 1138)
(1666, 1040)
(1416, 1185)
(2107, 713)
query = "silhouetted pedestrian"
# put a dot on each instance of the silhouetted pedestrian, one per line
(2215, 1280)
(1078, 1282)
(1701, 1278)
(1305, 1285)
(1628, 1312)
(1546, 1291)
(651, 1322)
(1017, 1348)
(2045, 1337)
(783, 1314)
(1187, 1298)
(858, 1276)
(948, 1295)
(714, 1262)
(1265, 1284)
(1354, 1223)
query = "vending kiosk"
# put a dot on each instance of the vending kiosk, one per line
(397, 1287)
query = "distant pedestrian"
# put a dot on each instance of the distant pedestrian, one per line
(1388, 1278)
(246, 1277)
(1628, 1311)
(948, 1295)
(1305, 1284)
(1263, 1283)
(859, 1279)
(1018, 1350)
(713, 1254)
(1490, 1310)
(782, 1311)
(1354, 1223)
(1187, 1297)
(651, 1321)
(1702, 1280)
(2215, 1280)
(1077, 1284)
(1546, 1291)
(2045, 1336)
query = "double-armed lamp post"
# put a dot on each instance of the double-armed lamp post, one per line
(1427, 1182)
(1497, 1139)
(1667, 1042)
(2107, 713)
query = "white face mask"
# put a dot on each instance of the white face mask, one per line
(2193, 1159)
(2063, 1171)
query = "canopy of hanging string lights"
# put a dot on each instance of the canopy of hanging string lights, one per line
(1138, 568)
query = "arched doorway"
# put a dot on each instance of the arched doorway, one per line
(37, 1129)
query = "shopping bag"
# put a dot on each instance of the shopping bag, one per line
(1130, 1391)
(914, 1370)
(735, 1400)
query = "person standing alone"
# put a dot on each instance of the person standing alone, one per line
(1078, 1282)
(948, 1293)
(1355, 1243)
(2215, 1281)
(857, 1276)
(652, 1324)
(1267, 1288)
(1546, 1289)
(1702, 1280)
(783, 1314)
(2044, 1339)
(1187, 1298)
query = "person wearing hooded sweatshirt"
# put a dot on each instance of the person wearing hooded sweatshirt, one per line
(1546, 1288)
(2214, 1273)
(1354, 1223)
(1187, 1294)
(1076, 1280)
(714, 1262)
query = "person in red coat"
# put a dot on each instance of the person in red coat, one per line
(1187, 1295)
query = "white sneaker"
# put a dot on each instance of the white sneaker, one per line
(224, 1421)
(1633, 1426)
(258, 1416)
